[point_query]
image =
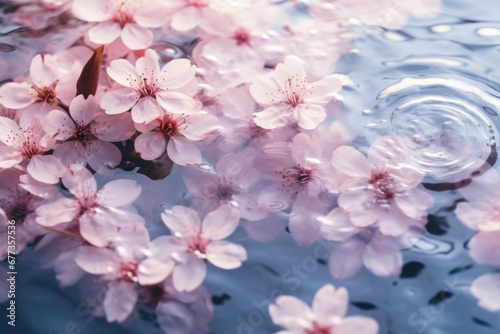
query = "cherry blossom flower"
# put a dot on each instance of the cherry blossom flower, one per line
(487, 290)
(124, 267)
(127, 19)
(287, 97)
(28, 142)
(194, 242)
(231, 180)
(38, 14)
(98, 212)
(87, 132)
(366, 246)
(175, 133)
(380, 188)
(147, 89)
(327, 315)
(50, 84)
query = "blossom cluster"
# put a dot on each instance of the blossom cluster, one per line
(248, 109)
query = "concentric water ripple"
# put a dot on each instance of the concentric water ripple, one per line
(445, 125)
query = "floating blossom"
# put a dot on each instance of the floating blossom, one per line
(50, 84)
(381, 188)
(287, 97)
(28, 142)
(487, 290)
(123, 267)
(327, 315)
(128, 19)
(87, 132)
(364, 246)
(194, 242)
(147, 89)
(187, 14)
(98, 212)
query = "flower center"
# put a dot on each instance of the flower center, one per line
(293, 91)
(84, 134)
(197, 3)
(169, 126)
(319, 329)
(198, 246)
(17, 206)
(47, 94)
(123, 14)
(241, 36)
(128, 272)
(383, 186)
(295, 176)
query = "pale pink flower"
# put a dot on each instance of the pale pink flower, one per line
(327, 315)
(98, 212)
(194, 242)
(175, 133)
(147, 89)
(230, 182)
(381, 188)
(364, 246)
(50, 84)
(28, 142)
(124, 266)
(288, 98)
(39, 14)
(486, 289)
(484, 248)
(127, 19)
(87, 132)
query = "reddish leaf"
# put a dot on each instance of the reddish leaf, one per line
(89, 79)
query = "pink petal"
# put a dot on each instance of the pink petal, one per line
(182, 221)
(43, 71)
(348, 160)
(92, 10)
(337, 226)
(290, 313)
(357, 324)
(62, 210)
(45, 168)
(58, 121)
(201, 125)
(346, 260)
(383, 258)
(153, 271)
(123, 72)
(80, 182)
(309, 115)
(136, 37)
(120, 301)
(330, 303)
(83, 110)
(9, 157)
(104, 32)
(225, 254)
(118, 193)
(98, 227)
(97, 261)
(151, 15)
(273, 117)
(183, 152)
(9, 129)
(415, 203)
(104, 127)
(485, 248)
(189, 273)
(17, 95)
(119, 100)
(148, 66)
(177, 103)
(186, 19)
(103, 157)
(150, 145)
(220, 223)
(265, 91)
(177, 73)
(323, 90)
(487, 290)
(132, 239)
(146, 110)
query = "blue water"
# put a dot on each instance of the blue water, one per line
(449, 50)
